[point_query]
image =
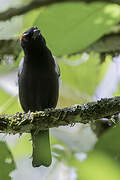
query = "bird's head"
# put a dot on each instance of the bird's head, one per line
(32, 38)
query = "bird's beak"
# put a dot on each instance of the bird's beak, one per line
(36, 32)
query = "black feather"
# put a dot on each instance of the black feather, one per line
(38, 86)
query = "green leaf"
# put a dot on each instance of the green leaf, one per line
(30, 17)
(103, 162)
(7, 164)
(71, 27)
(109, 143)
(23, 147)
(98, 166)
(83, 77)
(12, 106)
(3, 97)
(9, 104)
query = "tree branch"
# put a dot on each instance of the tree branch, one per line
(8, 14)
(83, 113)
(107, 44)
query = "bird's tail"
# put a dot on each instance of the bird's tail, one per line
(41, 148)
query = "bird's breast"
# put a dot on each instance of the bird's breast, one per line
(38, 87)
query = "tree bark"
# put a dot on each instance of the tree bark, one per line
(91, 112)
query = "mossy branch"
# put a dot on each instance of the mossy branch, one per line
(83, 113)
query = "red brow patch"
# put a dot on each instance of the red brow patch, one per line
(21, 37)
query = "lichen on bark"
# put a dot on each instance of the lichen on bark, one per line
(91, 112)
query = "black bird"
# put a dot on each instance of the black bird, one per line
(38, 80)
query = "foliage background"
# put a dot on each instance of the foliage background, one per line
(69, 28)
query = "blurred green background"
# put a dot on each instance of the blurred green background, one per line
(69, 28)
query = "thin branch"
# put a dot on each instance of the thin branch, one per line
(83, 113)
(8, 14)
(107, 44)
